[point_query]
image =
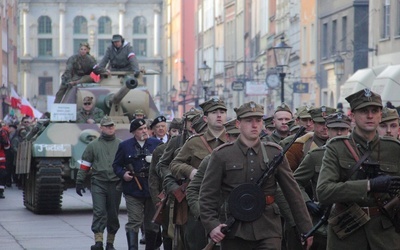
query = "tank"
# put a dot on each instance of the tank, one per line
(48, 158)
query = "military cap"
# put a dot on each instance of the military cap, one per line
(191, 114)
(389, 114)
(136, 123)
(88, 99)
(157, 120)
(106, 121)
(212, 105)
(318, 114)
(139, 112)
(338, 120)
(116, 38)
(199, 124)
(283, 107)
(268, 122)
(176, 123)
(249, 109)
(230, 127)
(86, 44)
(302, 112)
(364, 98)
(292, 125)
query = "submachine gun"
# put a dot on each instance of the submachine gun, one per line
(247, 201)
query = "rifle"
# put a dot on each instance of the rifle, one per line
(157, 218)
(321, 222)
(130, 168)
(272, 166)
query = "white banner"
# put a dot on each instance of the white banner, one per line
(256, 88)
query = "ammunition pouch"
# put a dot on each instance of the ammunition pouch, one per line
(349, 220)
(391, 209)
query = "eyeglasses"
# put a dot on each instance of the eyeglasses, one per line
(87, 103)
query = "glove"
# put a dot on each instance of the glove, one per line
(136, 74)
(80, 189)
(313, 209)
(385, 184)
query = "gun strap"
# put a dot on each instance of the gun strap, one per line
(359, 160)
(206, 144)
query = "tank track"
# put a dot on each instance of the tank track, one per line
(44, 188)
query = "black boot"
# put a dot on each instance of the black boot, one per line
(167, 243)
(110, 246)
(133, 240)
(97, 246)
(151, 240)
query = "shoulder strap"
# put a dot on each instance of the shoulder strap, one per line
(359, 160)
(264, 152)
(206, 144)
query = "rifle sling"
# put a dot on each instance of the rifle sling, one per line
(359, 160)
(206, 144)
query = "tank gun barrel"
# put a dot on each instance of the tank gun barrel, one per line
(130, 83)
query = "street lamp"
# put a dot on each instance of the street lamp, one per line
(282, 55)
(4, 93)
(183, 84)
(338, 65)
(204, 73)
(194, 92)
(172, 94)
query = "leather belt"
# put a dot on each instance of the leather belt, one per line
(269, 199)
(371, 211)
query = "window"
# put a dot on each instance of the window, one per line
(104, 25)
(44, 26)
(386, 19)
(344, 33)
(139, 25)
(45, 86)
(140, 47)
(45, 47)
(80, 25)
(103, 44)
(77, 44)
(324, 40)
(334, 38)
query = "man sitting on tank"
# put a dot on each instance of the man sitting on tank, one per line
(78, 70)
(89, 113)
(119, 56)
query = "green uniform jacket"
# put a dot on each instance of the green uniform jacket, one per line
(233, 164)
(96, 114)
(334, 186)
(100, 154)
(155, 181)
(78, 66)
(274, 137)
(193, 152)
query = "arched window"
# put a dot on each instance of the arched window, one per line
(44, 25)
(80, 25)
(139, 25)
(104, 25)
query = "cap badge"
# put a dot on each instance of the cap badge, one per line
(141, 123)
(283, 105)
(339, 116)
(214, 99)
(385, 111)
(253, 106)
(308, 108)
(323, 111)
(159, 119)
(368, 94)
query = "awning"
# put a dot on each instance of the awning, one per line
(362, 79)
(387, 84)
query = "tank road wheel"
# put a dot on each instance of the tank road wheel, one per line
(44, 188)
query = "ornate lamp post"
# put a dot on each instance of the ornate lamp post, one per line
(204, 73)
(4, 94)
(282, 55)
(183, 84)
(338, 65)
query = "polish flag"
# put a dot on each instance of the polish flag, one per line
(23, 105)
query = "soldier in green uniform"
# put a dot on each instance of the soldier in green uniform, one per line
(389, 125)
(193, 189)
(89, 113)
(186, 163)
(78, 70)
(282, 116)
(338, 124)
(155, 181)
(98, 157)
(356, 220)
(312, 139)
(243, 162)
(268, 126)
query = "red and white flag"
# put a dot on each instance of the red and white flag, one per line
(23, 105)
